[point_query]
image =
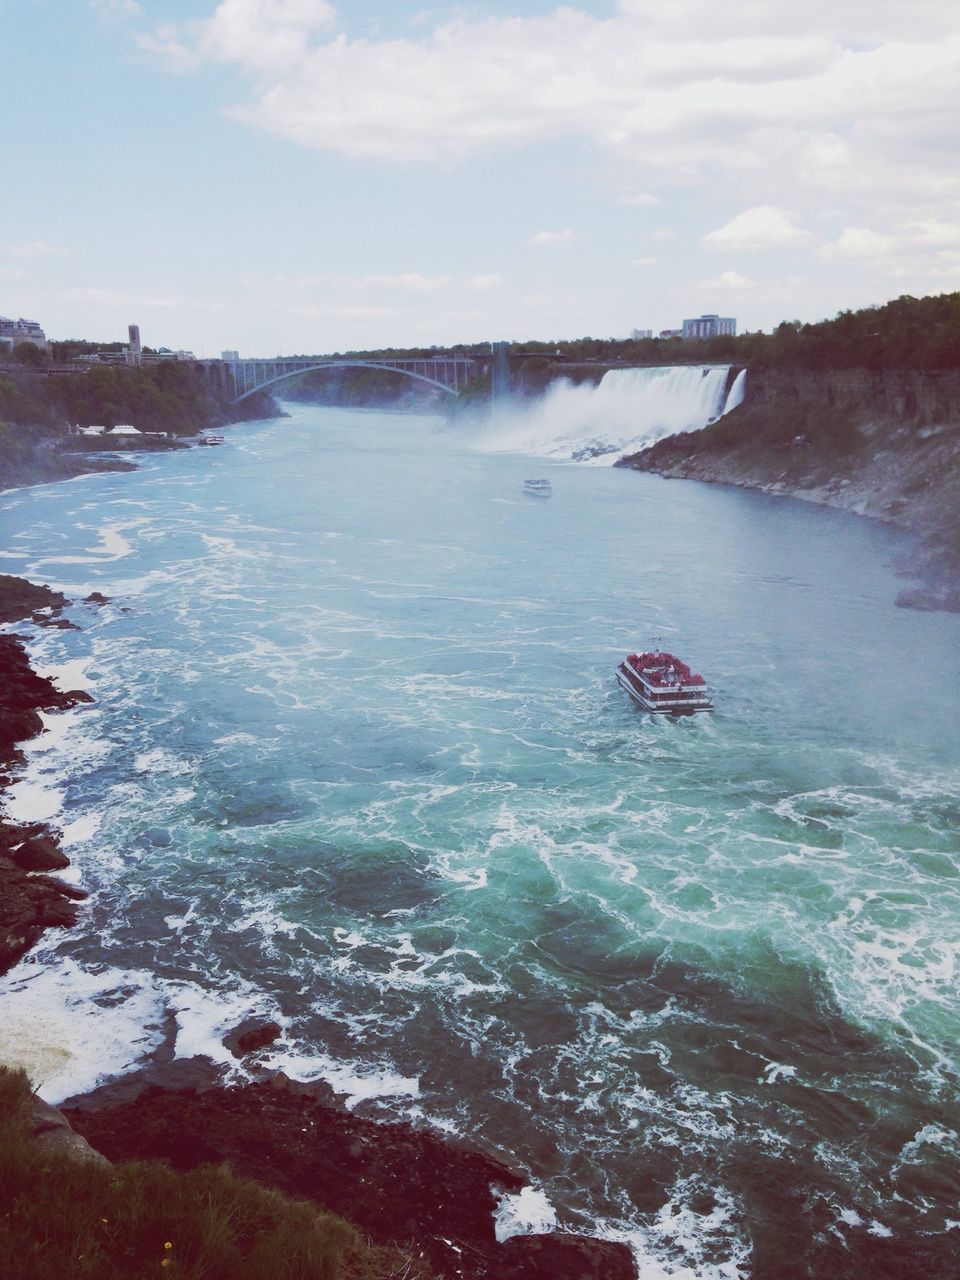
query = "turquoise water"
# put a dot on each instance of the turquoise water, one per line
(358, 760)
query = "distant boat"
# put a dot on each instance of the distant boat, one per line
(660, 682)
(537, 488)
(212, 440)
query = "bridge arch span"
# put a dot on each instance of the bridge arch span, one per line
(287, 374)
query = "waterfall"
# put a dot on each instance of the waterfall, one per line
(737, 391)
(628, 410)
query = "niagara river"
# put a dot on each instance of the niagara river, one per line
(358, 762)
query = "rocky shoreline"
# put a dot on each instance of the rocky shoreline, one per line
(875, 444)
(30, 900)
(401, 1186)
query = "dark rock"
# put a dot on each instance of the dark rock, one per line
(250, 1036)
(71, 891)
(23, 694)
(51, 1132)
(28, 905)
(77, 696)
(397, 1184)
(19, 598)
(62, 624)
(39, 854)
(565, 1257)
(56, 912)
(96, 597)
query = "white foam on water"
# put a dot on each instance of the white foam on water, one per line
(204, 1016)
(356, 1082)
(79, 830)
(71, 1028)
(523, 1213)
(69, 675)
(775, 1071)
(112, 545)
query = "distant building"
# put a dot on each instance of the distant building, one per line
(709, 326)
(638, 334)
(671, 333)
(134, 353)
(15, 332)
(229, 355)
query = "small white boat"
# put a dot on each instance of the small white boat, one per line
(662, 683)
(537, 488)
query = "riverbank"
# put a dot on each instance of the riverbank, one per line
(882, 445)
(31, 901)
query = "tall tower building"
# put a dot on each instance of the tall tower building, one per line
(134, 350)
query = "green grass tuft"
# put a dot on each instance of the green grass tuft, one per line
(140, 1219)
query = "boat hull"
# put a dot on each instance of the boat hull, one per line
(682, 705)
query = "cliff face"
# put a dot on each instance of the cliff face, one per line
(880, 444)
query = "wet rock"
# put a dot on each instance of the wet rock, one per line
(51, 1132)
(19, 598)
(77, 696)
(96, 597)
(251, 1035)
(397, 1184)
(39, 854)
(572, 1257)
(29, 904)
(62, 624)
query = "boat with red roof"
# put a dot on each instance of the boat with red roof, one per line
(663, 683)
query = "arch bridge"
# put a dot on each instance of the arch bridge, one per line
(241, 378)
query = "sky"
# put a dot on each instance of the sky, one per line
(305, 176)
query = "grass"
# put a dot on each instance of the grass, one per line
(128, 1221)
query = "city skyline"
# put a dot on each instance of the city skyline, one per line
(285, 175)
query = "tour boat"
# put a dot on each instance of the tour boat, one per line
(660, 682)
(537, 488)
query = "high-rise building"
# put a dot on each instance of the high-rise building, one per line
(15, 332)
(709, 326)
(638, 334)
(229, 355)
(134, 352)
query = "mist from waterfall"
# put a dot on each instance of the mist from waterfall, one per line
(628, 410)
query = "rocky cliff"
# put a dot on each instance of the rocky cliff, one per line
(876, 443)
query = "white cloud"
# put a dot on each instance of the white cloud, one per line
(263, 35)
(542, 238)
(861, 242)
(931, 231)
(642, 262)
(727, 282)
(765, 226)
(97, 296)
(167, 45)
(752, 90)
(483, 284)
(851, 108)
(36, 249)
(117, 8)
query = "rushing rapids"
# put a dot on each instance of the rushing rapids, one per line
(357, 764)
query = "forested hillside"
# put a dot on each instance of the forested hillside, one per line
(38, 409)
